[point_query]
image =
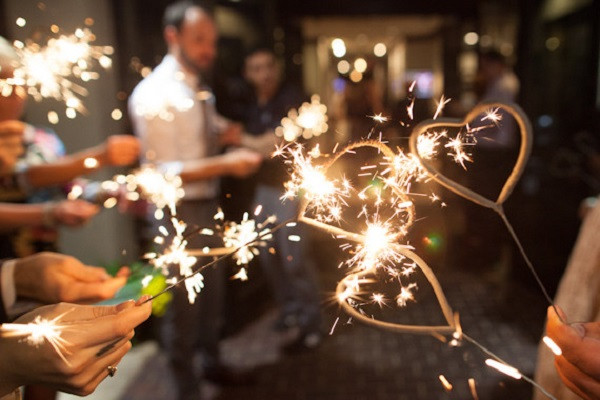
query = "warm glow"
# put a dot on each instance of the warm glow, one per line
(380, 50)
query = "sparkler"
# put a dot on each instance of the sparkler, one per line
(50, 70)
(377, 249)
(37, 332)
(162, 189)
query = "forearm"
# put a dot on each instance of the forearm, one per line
(18, 215)
(64, 169)
(263, 144)
(206, 168)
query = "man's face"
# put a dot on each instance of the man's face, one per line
(197, 41)
(262, 71)
(12, 106)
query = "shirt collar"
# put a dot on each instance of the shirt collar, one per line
(173, 66)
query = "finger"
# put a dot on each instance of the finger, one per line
(103, 330)
(104, 373)
(576, 347)
(124, 271)
(577, 380)
(90, 377)
(88, 291)
(74, 313)
(85, 273)
(103, 349)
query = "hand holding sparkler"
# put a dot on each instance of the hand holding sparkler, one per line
(68, 347)
(242, 162)
(52, 278)
(119, 150)
(579, 362)
(70, 212)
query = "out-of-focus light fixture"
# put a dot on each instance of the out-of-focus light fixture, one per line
(360, 64)
(343, 67)
(552, 43)
(380, 49)
(356, 76)
(471, 38)
(339, 47)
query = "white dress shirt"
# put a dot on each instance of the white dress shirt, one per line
(176, 122)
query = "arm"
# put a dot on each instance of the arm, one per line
(117, 150)
(66, 212)
(263, 144)
(238, 163)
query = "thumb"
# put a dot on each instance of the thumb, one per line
(86, 273)
(87, 312)
(97, 291)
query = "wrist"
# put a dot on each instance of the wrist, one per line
(49, 217)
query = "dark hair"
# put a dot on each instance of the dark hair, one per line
(259, 49)
(175, 13)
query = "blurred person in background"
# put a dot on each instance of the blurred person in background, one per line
(187, 143)
(292, 276)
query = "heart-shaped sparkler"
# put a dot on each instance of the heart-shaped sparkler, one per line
(524, 151)
(402, 250)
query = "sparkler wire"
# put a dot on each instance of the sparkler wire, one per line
(485, 350)
(222, 257)
(524, 151)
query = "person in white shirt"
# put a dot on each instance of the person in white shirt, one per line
(174, 116)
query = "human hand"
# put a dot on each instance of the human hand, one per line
(72, 212)
(231, 136)
(52, 278)
(95, 338)
(579, 364)
(11, 144)
(242, 162)
(120, 150)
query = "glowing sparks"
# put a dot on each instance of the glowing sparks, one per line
(379, 299)
(406, 294)
(440, 106)
(175, 254)
(50, 70)
(493, 115)
(161, 189)
(39, 331)
(379, 118)
(308, 121)
(246, 236)
(242, 275)
(552, 346)
(503, 368)
(326, 197)
(457, 151)
(473, 389)
(447, 385)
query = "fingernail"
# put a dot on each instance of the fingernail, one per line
(579, 328)
(125, 305)
(143, 299)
